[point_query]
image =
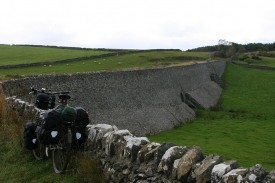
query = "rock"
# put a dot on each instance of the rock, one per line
(161, 150)
(203, 172)
(114, 142)
(147, 152)
(221, 169)
(270, 178)
(175, 169)
(167, 160)
(185, 164)
(96, 133)
(133, 145)
(255, 174)
(235, 175)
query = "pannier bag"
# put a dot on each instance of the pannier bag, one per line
(42, 101)
(51, 128)
(82, 117)
(30, 138)
(79, 133)
(69, 114)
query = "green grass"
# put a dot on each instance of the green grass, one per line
(120, 62)
(242, 127)
(267, 61)
(11, 55)
(19, 165)
(263, 61)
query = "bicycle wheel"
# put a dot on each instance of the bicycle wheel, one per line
(40, 152)
(62, 152)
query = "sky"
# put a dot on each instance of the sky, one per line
(136, 24)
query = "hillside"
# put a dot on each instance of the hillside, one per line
(34, 60)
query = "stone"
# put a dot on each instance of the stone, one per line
(161, 150)
(185, 164)
(96, 133)
(203, 172)
(114, 142)
(133, 145)
(235, 175)
(221, 169)
(255, 174)
(167, 160)
(147, 152)
(270, 178)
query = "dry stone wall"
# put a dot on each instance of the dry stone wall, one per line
(143, 101)
(126, 158)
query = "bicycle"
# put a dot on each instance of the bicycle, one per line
(44, 101)
(69, 133)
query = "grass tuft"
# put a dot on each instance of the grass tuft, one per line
(87, 168)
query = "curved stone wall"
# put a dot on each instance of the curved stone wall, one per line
(143, 101)
(127, 158)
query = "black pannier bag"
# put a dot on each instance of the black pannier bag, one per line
(42, 101)
(30, 138)
(79, 133)
(51, 128)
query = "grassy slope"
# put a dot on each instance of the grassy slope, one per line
(10, 55)
(242, 128)
(129, 61)
(268, 61)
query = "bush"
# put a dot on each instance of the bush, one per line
(243, 57)
(251, 61)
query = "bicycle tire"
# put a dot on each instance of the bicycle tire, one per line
(40, 152)
(62, 152)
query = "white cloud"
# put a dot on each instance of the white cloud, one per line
(140, 24)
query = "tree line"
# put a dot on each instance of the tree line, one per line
(250, 47)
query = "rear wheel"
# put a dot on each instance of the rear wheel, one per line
(62, 152)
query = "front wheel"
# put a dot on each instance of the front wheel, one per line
(61, 153)
(40, 152)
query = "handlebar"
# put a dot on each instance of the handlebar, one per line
(35, 91)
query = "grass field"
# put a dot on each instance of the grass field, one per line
(241, 127)
(119, 62)
(268, 61)
(264, 61)
(11, 55)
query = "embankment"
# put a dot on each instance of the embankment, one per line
(143, 101)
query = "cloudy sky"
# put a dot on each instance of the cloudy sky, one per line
(136, 24)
